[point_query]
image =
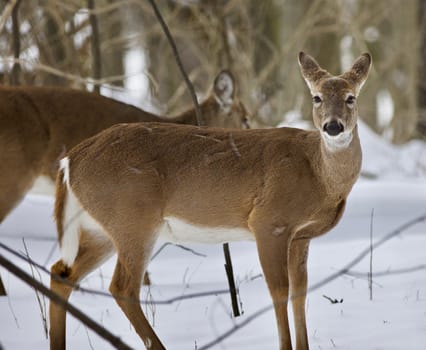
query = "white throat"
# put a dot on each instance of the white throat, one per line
(225, 105)
(337, 143)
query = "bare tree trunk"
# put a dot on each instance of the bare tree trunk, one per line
(113, 27)
(404, 92)
(421, 83)
(96, 50)
(54, 51)
(325, 47)
(16, 40)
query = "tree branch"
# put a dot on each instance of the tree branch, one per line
(6, 13)
(108, 295)
(98, 329)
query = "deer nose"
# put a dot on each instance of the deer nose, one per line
(333, 128)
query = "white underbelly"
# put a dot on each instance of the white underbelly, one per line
(177, 230)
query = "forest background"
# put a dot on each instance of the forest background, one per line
(117, 47)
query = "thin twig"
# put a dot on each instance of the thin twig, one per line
(102, 10)
(50, 254)
(88, 339)
(41, 305)
(13, 312)
(6, 13)
(157, 12)
(32, 238)
(370, 275)
(176, 245)
(150, 305)
(387, 272)
(333, 301)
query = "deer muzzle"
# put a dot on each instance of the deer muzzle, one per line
(333, 128)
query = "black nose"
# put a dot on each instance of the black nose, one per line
(333, 128)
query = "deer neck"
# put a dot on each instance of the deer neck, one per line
(187, 117)
(340, 168)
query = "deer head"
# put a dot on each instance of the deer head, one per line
(225, 94)
(335, 111)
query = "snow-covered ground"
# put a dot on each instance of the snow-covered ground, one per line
(394, 319)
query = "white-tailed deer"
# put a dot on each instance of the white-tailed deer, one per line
(122, 189)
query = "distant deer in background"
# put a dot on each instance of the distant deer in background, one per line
(39, 124)
(122, 189)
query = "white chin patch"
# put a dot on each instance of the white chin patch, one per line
(338, 142)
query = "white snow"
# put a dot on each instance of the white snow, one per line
(394, 319)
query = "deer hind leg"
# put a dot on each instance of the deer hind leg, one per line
(273, 252)
(92, 251)
(297, 264)
(126, 282)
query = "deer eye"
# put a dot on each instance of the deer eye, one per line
(316, 99)
(350, 100)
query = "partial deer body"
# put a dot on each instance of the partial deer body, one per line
(279, 187)
(39, 124)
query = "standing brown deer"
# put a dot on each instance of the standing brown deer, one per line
(122, 189)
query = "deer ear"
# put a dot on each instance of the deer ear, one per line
(224, 87)
(310, 69)
(359, 71)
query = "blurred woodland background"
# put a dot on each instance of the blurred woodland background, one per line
(117, 47)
